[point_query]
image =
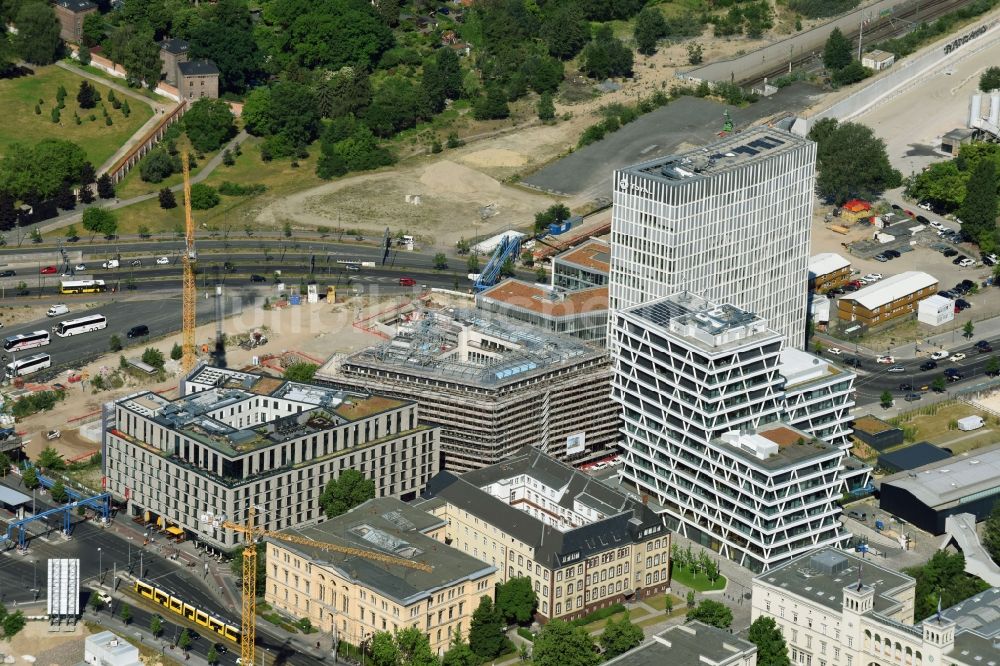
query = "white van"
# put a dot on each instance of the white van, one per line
(110, 263)
(56, 310)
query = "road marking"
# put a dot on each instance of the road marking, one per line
(648, 148)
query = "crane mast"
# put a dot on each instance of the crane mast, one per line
(189, 292)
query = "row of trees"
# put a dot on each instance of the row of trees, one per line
(694, 563)
(968, 186)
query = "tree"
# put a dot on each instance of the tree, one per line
(213, 655)
(852, 162)
(284, 112)
(695, 53)
(852, 73)
(13, 623)
(472, 263)
(989, 80)
(114, 343)
(301, 372)
(141, 60)
(50, 459)
(414, 648)
(561, 644)
(209, 124)
(37, 172)
(384, 650)
(564, 29)
(5, 463)
(236, 565)
(771, 648)
(979, 206)
(885, 399)
(837, 52)
(105, 188)
(486, 634)
(125, 614)
(492, 105)
(154, 357)
(58, 492)
(65, 198)
(992, 367)
(620, 637)
(440, 261)
(93, 29)
(203, 196)
(668, 604)
(167, 199)
(30, 478)
(650, 27)
(98, 220)
(991, 532)
(83, 55)
(516, 600)
(37, 39)
(938, 385)
(224, 34)
(712, 613)
(176, 352)
(554, 214)
(968, 329)
(159, 164)
(459, 653)
(943, 579)
(156, 626)
(546, 109)
(347, 491)
(606, 56)
(96, 602)
(184, 641)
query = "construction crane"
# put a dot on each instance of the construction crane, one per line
(189, 293)
(251, 534)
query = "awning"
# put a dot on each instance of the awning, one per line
(175, 530)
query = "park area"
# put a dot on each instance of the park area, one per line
(27, 103)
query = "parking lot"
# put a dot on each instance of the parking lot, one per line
(922, 257)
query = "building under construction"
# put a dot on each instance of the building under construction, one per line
(493, 385)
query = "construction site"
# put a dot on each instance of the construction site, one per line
(493, 385)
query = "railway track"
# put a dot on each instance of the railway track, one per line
(876, 30)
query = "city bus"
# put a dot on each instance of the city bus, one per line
(82, 286)
(23, 341)
(28, 365)
(82, 325)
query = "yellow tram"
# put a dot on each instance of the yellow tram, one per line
(178, 607)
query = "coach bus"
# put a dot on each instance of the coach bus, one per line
(26, 366)
(82, 325)
(82, 286)
(23, 341)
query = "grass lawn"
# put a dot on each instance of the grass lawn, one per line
(635, 614)
(132, 185)
(699, 583)
(18, 97)
(659, 601)
(932, 426)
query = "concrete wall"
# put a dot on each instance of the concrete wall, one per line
(777, 54)
(909, 72)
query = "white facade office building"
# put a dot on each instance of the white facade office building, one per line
(706, 430)
(730, 221)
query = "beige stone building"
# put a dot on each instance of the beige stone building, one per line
(71, 14)
(236, 437)
(353, 597)
(583, 544)
(197, 78)
(836, 609)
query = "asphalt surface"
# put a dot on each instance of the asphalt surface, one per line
(684, 123)
(874, 379)
(109, 550)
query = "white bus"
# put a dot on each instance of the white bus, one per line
(23, 341)
(26, 366)
(82, 325)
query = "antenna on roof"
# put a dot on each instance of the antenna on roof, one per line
(861, 566)
(939, 608)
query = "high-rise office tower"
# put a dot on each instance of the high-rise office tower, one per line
(709, 433)
(730, 221)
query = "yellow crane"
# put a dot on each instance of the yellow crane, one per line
(251, 534)
(189, 295)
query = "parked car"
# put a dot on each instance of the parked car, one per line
(962, 303)
(967, 263)
(924, 205)
(889, 360)
(49, 270)
(892, 254)
(959, 259)
(936, 224)
(875, 277)
(896, 368)
(928, 365)
(881, 258)
(950, 252)
(849, 288)
(162, 260)
(922, 220)
(912, 397)
(955, 358)
(946, 294)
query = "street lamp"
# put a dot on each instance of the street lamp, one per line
(100, 565)
(130, 554)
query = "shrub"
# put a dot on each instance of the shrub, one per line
(237, 190)
(598, 615)
(203, 197)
